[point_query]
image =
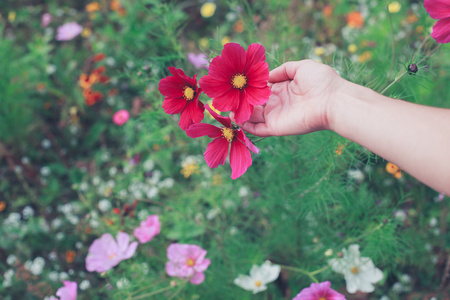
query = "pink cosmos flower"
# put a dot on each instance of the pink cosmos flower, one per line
(121, 117)
(68, 31)
(440, 10)
(187, 261)
(237, 80)
(45, 20)
(148, 229)
(319, 291)
(67, 292)
(217, 150)
(105, 253)
(198, 60)
(181, 96)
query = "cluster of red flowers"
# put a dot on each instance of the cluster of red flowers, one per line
(86, 81)
(237, 81)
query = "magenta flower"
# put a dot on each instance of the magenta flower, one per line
(237, 80)
(121, 117)
(319, 291)
(224, 138)
(148, 229)
(68, 31)
(198, 60)
(45, 20)
(105, 253)
(67, 292)
(440, 10)
(187, 262)
(181, 97)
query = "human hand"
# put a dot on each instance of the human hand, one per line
(300, 100)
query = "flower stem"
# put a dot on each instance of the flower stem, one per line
(144, 296)
(179, 290)
(402, 73)
(309, 274)
(319, 270)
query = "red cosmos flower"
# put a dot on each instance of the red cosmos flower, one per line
(217, 150)
(181, 96)
(237, 80)
(439, 9)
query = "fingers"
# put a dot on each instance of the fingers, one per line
(258, 129)
(256, 117)
(284, 72)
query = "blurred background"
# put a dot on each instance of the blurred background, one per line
(72, 169)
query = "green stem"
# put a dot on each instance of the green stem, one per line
(309, 274)
(402, 73)
(319, 271)
(393, 40)
(146, 287)
(178, 291)
(152, 293)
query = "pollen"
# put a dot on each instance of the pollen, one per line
(258, 283)
(239, 81)
(354, 270)
(190, 262)
(228, 133)
(188, 93)
(322, 298)
(111, 257)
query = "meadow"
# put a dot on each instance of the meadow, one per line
(102, 192)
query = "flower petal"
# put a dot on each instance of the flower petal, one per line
(441, 31)
(228, 101)
(240, 158)
(192, 113)
(216, 152)
(173, 105)
(244, 111)
(198, 278)
(225, 121)
(438, 9)
(234, 55)
(255, 53)
(202, 129)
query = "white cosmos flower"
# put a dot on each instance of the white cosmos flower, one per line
(259, 277)
(359, 272)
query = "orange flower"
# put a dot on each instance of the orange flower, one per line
(104, 79)
(115, 5)
(40, 86)
(92, 7)
(398, 174)
(327, 10)
(122, 12)
(86, 81)
(99, 57)
(2, 206)
(70, 256)
(391, 168)
(355, 19)
(239, 26)
(339, 149)
(92, 97)
(99, 70)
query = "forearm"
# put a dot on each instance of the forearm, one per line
(414, 137)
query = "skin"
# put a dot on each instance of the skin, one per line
(308, 96)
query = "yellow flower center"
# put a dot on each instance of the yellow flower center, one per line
(111, 257)
(188, 93)
(228, 133)
(354, 270)
(322, 298)
(258, 283)
(190, 262)
(239, 81)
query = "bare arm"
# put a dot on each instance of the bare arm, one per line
(308, 96)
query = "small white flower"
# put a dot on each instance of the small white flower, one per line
(96, 180)
(50, 69)
(7, 282)
(356, 175)
(78, 245)
(122, 283)
(112, 171)
(152, 192)
(243, 191)
(25, 160)
(359, 272)
(384, 297)
(397, 288)
(84, 186)
(45, 171)
(52, 256)
(59, 236)
(45, 143)
(104, 205)
(84, 285)
(400, 215)
(56, 223)
(433, 222)
(63, 276)
(36, 266)
(11, 259)
(27, 212)
(259, 277)
(53, 276)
